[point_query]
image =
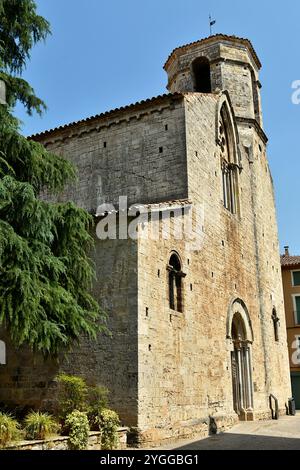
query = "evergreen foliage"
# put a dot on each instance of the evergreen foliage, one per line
(72, 394)
(97, 401)
(45, 272)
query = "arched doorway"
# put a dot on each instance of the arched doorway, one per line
(240, 334)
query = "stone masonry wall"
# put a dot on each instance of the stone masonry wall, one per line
(28, 380)
(115, 156)
(232, 69)
(238, 258)
(251, 248)
(169, 372)
(138, 154)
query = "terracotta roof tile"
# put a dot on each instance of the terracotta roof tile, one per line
(129, 107)
(287, 260)
(225, 37)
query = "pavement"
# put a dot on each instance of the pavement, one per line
(283, 434)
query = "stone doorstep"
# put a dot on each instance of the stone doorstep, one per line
(23, 445)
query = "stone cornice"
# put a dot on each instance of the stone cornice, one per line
(211, 40)
(254, 123)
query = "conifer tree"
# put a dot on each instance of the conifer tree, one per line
(45, 272)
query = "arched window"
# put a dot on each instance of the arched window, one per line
(175, 283)
(201, 71)
(276, 324)
(228, 163)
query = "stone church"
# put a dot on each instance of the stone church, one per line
(198, 330)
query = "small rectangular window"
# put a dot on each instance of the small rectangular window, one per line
(161, 149)
(297, 313)
(296, 278)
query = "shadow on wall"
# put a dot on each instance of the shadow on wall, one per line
(27, 380)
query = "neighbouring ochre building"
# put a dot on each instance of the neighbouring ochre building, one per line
(291, 287)
(198, 327)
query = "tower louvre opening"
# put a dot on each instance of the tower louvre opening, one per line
(202, 79)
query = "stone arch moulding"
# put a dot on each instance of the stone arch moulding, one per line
(239, 306)
(226, 101)
(176, 253)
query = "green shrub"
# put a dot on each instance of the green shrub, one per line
(72, 394)
(97, 401)
(78, 425)
(40, 425)
(9, 429)
(109, 422)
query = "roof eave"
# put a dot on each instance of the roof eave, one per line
(108, 114)
(208, 39)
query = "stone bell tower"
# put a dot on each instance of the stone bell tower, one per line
(217, 63)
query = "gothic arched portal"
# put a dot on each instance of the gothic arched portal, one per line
(239, 332)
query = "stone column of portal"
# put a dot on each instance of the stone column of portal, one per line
(250, 413)
(245, 376)
(240, 372)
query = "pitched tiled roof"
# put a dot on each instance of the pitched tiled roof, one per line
(287, 260)
(220, 37)
(130, 107)
(156, 206)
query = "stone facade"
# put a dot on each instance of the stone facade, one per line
(291, 287)
(176, 372)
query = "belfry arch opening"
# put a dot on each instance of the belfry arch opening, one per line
(202, 78)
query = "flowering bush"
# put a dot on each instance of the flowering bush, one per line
(108, 422)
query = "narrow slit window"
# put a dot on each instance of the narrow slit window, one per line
(276, 325)
(175, 277)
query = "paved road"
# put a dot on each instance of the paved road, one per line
(259, 435)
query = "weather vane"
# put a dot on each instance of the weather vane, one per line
(211, 24)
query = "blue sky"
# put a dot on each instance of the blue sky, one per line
(105, 54)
